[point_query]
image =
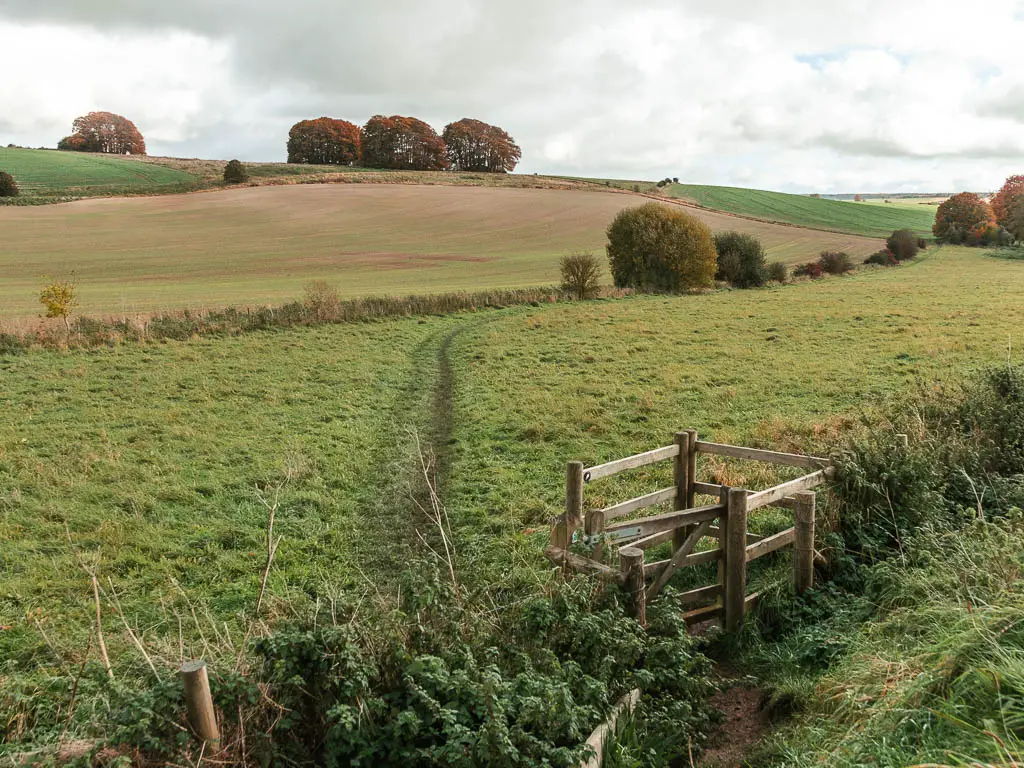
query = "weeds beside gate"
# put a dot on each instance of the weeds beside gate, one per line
(724, 521)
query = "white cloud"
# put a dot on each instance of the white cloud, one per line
(795, 94)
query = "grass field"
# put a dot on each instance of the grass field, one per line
(800, 210)
(253, 246)
(46, 174)
(153, 455)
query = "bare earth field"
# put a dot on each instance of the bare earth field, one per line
(255, 246)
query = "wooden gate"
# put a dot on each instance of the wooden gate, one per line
(619, 527)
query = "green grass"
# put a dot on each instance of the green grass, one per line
(802, 210)
(150, 457)
(48, 174)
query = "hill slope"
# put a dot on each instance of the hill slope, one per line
(260, 245)
(800, 210)
(44, 173)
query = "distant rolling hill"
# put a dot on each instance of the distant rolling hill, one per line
(49, 173)
(800, 210)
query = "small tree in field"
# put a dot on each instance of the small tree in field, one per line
(235, 173)
(741, 260)
(59, 298)
(903, 244)
(8, 186)
(322, 300)
(655, 247)
(581, 275)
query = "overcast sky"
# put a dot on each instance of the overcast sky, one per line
(799, 95)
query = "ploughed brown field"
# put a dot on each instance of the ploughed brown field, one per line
(255, 246)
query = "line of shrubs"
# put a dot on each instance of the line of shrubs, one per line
(321, 304)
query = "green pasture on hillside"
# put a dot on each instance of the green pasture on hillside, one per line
(49, 173)
(802, 210)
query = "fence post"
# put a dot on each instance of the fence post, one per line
(631, 564)
(570, 522)
(735, 554)
(680, 474)
(199, 702)
(691, 468)
(803, 549)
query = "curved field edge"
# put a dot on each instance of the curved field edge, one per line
(260, 246)
(867, 219)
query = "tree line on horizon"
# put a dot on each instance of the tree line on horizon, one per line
(404, 143)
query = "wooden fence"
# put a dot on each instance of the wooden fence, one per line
(724, 521)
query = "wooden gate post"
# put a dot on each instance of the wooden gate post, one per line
(631, 563)
(803, 548)
(735, 554)
(691, 469)
(570, 522)
(680, 474)
(199, 702)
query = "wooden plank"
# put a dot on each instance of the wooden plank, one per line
(697, 558)
(669, 521)
(582, 564)
(752, 538)
(711, 489)
(735, 587)
(606, 730)
(663, 496)
(780, 492)
(651, 541)
(708, 489)
(751, 601)
(755, 454)
(700, 595)
(631, 462)
(770, 544)
(681, 554)
(703, 614)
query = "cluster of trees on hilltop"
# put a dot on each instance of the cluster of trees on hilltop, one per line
(404, 143)
(106, 133)
(967, 219)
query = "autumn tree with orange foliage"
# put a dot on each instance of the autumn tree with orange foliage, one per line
(1005, 199)
(402, 143)
(963, 218)
(324, 141)
(106, 133)
(476, 146)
